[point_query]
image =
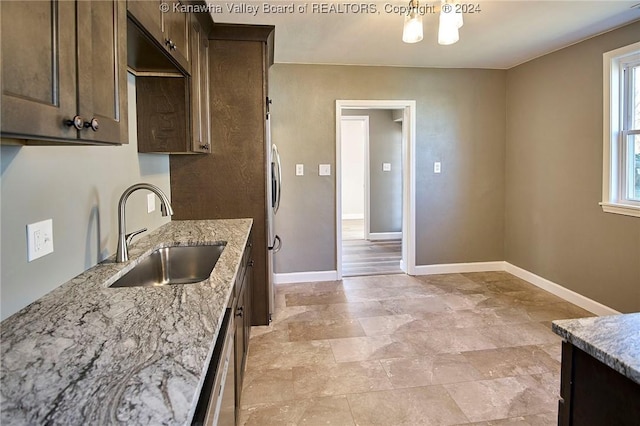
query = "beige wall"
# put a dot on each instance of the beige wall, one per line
(554, 225)
(460, 122)
(79, 188)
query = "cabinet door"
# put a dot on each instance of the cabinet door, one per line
(205, 96)
(176, 29)
(148, 15)
(200, 139)
(38, 69)
(239, 341)
(102, 80)
(247, 283)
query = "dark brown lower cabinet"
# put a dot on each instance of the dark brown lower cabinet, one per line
(594, 394)
(236, 328)
(242, 313)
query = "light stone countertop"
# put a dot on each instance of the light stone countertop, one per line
(613, 340)
(88, 354)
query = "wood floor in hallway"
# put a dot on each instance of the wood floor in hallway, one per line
(365, 257)
(362, 257)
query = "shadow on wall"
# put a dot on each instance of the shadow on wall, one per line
(7, 154)
(94, 235)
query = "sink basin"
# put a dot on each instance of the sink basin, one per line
(173, 265)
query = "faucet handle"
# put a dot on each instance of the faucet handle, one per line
(129, 237)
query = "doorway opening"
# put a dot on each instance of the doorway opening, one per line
(374, 185)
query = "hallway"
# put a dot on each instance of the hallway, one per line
(363, 257)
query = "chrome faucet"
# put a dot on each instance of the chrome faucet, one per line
(124, 239)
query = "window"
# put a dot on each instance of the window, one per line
(621, 165)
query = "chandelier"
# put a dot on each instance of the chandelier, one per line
(449, 23)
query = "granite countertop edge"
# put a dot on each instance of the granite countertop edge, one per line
(89, 354)
(613, 340)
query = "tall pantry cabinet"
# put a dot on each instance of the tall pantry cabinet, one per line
(232, 181)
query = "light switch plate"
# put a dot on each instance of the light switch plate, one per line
(151, 203)
(39, 239)
(299, 169)
(436, 167)
(324, 169)
(386, 167)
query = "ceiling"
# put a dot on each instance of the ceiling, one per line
(502, 34)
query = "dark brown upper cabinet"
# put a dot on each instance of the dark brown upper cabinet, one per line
(163, 114)
(59, 89)
(173, 109)
(167, 23)
(176, 24)
(148, 15)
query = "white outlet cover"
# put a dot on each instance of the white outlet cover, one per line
(299, 169)
(151, 203)
(436, 167)
(39, 239)
(324, 169)
(386, 167)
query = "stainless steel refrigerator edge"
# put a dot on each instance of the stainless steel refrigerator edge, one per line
(274, 194)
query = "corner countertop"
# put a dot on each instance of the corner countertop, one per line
(613, 340)
(89, 354)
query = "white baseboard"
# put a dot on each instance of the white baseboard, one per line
(305, 277)
(352, 216)
(378, 236)
(560, 291)
(455, 268)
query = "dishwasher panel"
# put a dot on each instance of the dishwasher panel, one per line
(217, 401)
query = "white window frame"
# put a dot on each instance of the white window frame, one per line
(615, 149)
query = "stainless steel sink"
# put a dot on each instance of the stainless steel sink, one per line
(173, 265)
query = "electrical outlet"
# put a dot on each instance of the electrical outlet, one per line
(324, 169)
(39, 239)
(436, 167)
(386, 167)
(151, 203)
(299, 169)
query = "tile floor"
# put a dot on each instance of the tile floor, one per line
(398, 350)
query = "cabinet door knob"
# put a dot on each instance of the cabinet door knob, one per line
(77, 122)
(93, 124)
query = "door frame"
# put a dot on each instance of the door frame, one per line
(366, 177)
(408, 262)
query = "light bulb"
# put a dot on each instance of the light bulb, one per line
(449, 24)
(412, 32)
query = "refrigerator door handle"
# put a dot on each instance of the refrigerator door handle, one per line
(278, 175)
(277, 244)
